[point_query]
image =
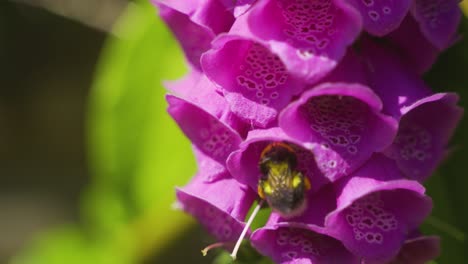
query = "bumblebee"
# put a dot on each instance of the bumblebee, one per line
(281, 184)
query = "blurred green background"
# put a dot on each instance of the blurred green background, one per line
(89, 158)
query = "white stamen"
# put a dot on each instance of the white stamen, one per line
(244, 232)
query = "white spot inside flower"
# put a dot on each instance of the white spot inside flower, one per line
(301, 240)
(368, 3)
(369, 218)
(294, 241)
(332, 164)
(358, 234)
(374, 15)
(305, 54)
(309, 21)
(281, 241)
(323, 44)
(386, 10)
(216, 138)
(290, 254)
(373, 238)
(307, 249)
(413, 142)
(262, 75)
(432, 11)
(283, 233)
(351, 149)
(306, 243)
(337, 114)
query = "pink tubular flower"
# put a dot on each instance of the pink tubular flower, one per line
(344, 124)
(222, 215)
(288, 244)
(316, 109)
(423, 134)
(418, 250)
(194, 24)
(310, 37)
(253, 80)
(376, 208)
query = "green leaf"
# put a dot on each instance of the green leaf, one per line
(137, 152)
(69, 245)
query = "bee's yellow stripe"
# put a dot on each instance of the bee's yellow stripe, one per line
(297, 180)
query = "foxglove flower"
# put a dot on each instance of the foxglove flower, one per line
(253, 80)
(343, 122)
(223, 217)
(310, 37)
(376, 208)
(213, 137)
(195, 24)
(423, 133)
(418, 250)
(317, 109)
(289, 244)
(438, 20)
(419, 53)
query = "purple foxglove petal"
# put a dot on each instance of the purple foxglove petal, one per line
(438, 20)
(199, 90)
(184, 86)
(380, 17)
(413, 46)
(212, 170)
(243, 163)
(238, 7)
(310, 37)
(196, 88)
(423, 134)
(209, 134)
(376, 208)
(254, 80)
(396, 84)
(236, 123)
(423, 131)
(249, 111)
(195, 24)
(205, 198)
(193, 38)
(343, 121)
(210, 14)
(351, 69)
(418, 250)
(287, 245)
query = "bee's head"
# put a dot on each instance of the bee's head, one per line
(277, 153)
